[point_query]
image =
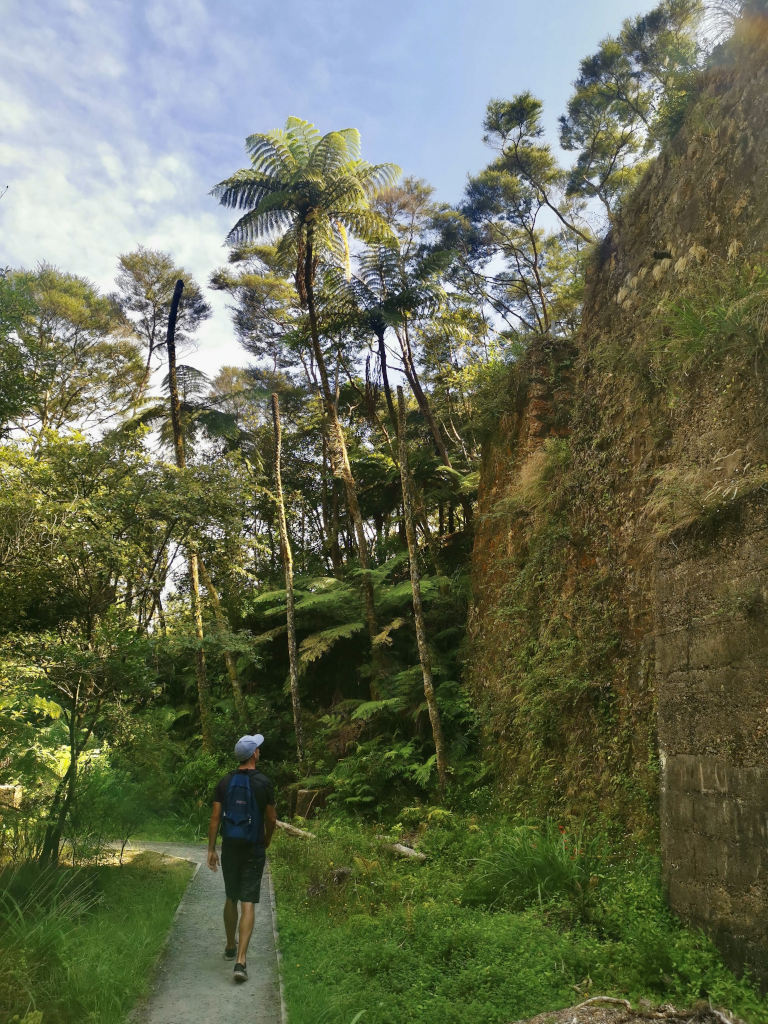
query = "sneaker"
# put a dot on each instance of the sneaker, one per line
(230, 952)
(240, 972)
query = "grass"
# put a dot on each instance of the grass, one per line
(79, 945)
(502, 922)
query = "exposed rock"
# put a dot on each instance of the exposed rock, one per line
(601, 1010)
(646, 532)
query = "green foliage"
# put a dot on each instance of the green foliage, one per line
(299, 177)
(61, 929)
(531, 865)
(75, 345)
(628, 97)
(145, 281)
(720, 309)
(538, 292)
(18, 390)
(316, 645)
(380, 772)
(396, 939)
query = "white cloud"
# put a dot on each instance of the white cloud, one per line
(178, 24)
(16, 112)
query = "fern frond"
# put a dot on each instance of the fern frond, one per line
(400, 595)
(190, 381)
(329, 155)
(384, 638)
(365, 225)
(272, 600)
(270, 634)
(333, 603)
(302, 138)
(152, 414)
(317, 584)
(270, 153)
(246, 187)
(377, 177)
(313, 647)
(219, 424)
(254, 225)
(365, 711)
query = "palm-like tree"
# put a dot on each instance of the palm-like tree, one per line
(309, 192)
(386, 292)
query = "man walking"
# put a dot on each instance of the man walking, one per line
(244, 806)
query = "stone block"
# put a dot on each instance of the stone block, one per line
(308, 801)
(11, 796)
(671, 653)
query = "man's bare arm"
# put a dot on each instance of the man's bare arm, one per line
(213, 831)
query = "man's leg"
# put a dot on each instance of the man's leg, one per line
(230, 922)
(250, 891)
(231, 868)
(244, 932)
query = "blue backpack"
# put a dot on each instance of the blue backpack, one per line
(242, 817)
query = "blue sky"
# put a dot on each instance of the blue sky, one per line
(119, 115)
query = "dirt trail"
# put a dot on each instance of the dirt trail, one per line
(194, 983)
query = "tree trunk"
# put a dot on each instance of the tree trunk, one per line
(285, 546)
(64, 795)
(330, 517)
(218, 614)
(418, 611)
(422, 400)
(160, 613)
(203, 689)
(49, 854)
(338, 447)
(385, 378)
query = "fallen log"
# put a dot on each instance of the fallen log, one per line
(398, 848)
(300, 833)
(401, 850)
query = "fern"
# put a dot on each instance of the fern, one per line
(316, 645)
(365, 711)
(384, 638)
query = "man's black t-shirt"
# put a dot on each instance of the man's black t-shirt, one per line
(261, 785)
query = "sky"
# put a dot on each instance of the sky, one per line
(118, 116)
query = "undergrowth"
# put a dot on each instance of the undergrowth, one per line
(78, 945)
(503, 921)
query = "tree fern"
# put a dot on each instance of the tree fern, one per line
(316, 645)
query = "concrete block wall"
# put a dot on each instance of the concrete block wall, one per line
(711, 649)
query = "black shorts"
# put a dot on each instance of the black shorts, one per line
(242, 864)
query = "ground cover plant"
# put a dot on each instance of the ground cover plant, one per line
(503, 921)
(79, 945)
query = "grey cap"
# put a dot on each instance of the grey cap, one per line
(246, 745)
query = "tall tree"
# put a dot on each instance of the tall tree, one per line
(203, 687)
(17, 392)
(627, 97)
(311, 191)
(418, 611)
(81, 366)
(510, 208)
(390, 292)
(145, 281)
(290, 609)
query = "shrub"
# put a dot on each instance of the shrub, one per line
(536, 865)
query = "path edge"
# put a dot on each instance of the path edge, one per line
(138, 1012)
(278, 950)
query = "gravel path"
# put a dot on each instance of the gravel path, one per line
(194, 983)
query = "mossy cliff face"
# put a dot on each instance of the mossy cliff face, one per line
(619, 637)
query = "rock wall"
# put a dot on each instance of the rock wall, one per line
(646, 540)
(711, 648)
